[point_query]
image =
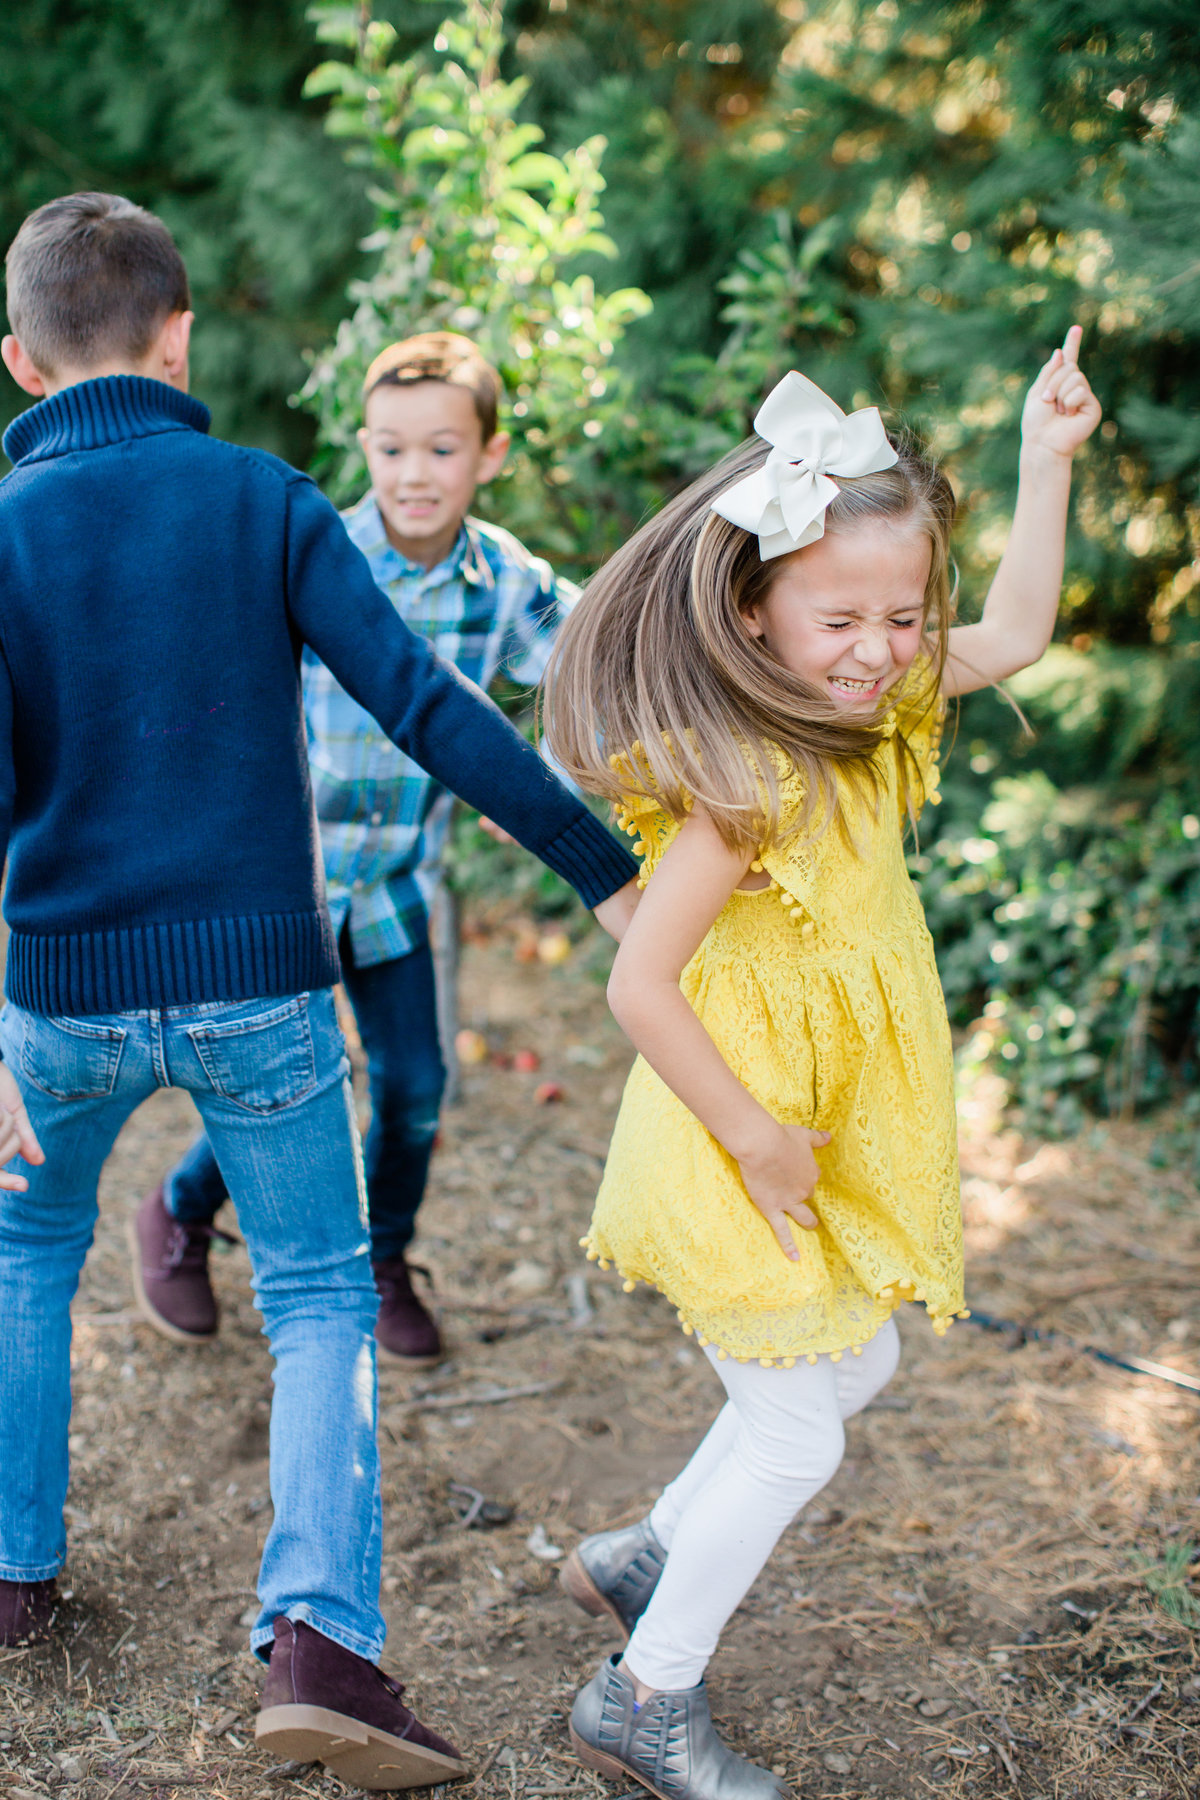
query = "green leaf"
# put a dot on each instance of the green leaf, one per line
(336, 24)
(434, 143)
(537, 169)
(335, 78)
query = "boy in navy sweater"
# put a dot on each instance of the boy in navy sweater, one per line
(169, 926)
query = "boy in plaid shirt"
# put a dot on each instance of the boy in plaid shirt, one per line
(430, 437)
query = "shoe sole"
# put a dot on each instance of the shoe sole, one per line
(163, 1326)
(362, 1756)
(415, 1363)
(609, 1766)
(578, 1585)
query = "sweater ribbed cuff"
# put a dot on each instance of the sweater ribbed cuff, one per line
(590, 858)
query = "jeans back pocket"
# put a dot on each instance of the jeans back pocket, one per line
(262, 1061)
(72, 1059)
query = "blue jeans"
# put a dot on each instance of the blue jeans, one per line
(270, 1079)
(395, 1006)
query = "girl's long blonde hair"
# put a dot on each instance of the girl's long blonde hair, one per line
(657, 688)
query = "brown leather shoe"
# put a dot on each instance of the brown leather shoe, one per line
(322, 1703)
(170, 1272)
(26, 1611)
(405, 1330)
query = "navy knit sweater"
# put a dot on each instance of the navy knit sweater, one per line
(156, 586)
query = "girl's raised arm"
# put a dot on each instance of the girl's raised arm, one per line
(697, 875)
(1060, 413)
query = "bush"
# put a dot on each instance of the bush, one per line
(475, 230)
(1069, 941)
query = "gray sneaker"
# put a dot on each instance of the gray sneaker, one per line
(615, 1572)
(667, 1744)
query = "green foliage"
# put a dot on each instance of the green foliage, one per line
(476, 230)
(194, 110)
(484, 870)
(674, 87)
(1097, 717)
(1168, 1580)
(1069, 938)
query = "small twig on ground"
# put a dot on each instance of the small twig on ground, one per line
(474, 1500)
(582, 1310)
(123, 1776)
(1010, 1767)
(486, 1764)
(481, 1397)
(1139, 1709)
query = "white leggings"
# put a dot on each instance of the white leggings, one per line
(775, 1444)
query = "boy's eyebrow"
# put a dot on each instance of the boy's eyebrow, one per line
(438, 431)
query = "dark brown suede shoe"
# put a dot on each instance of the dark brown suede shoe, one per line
(26, 1610)
(322, 1703)
(405, 1331)
(170, 1272)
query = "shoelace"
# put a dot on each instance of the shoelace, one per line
(396, 1690)
(398, 1281)
(188, 1245)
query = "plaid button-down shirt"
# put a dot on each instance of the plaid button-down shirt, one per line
(490, 608)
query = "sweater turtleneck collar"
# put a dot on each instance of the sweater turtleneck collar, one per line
(108, 410)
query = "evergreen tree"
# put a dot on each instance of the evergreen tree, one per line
(194, 110)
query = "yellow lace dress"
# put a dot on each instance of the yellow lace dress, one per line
(822, 994)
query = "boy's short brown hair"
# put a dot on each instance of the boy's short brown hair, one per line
(91, 276)
(441, 356)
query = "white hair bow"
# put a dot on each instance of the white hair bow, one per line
(811, 439)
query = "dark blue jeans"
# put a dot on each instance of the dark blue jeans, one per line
(395, 1008)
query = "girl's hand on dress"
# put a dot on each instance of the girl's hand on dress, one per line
(780, 1173)
(1060, 409)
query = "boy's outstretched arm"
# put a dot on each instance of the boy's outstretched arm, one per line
(1060, 413)
(433, 713)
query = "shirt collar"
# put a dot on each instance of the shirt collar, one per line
(108, 410)
(465, 559)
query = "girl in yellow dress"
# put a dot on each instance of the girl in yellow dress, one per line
(757, 680)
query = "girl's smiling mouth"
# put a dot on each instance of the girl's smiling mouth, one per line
(856, 690)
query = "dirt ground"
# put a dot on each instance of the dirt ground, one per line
(992, 1598)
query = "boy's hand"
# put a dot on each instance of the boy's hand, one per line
(1060, 409)
(16, 1133)
(496, 832)
(780, 1172)
(616, 912)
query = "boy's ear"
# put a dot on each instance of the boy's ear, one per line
(494, 453)
(20, 367)
(174, 341)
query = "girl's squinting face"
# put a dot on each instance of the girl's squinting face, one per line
(845, 613)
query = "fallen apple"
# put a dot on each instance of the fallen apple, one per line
(554, 947)
(526, 1061)
(548, 1093)
(470, 1047)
